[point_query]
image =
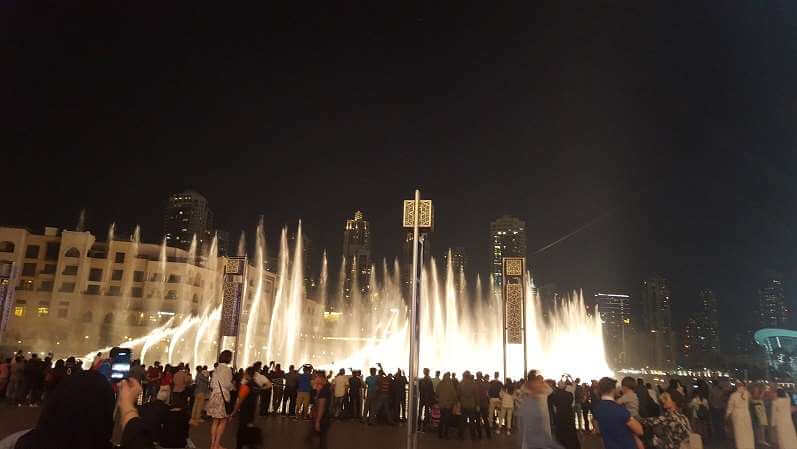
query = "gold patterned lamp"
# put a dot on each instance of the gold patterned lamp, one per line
(425, 215)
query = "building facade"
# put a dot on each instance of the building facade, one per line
(357, 254)
(615, 314)
(507, 239)
(656, 322)
(75, 294)
(185, 215)
(773, 311)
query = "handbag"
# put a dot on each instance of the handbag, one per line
(228, 405)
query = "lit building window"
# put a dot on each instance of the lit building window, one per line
(43, 310)
(19, 311)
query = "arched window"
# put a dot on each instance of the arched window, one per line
(72, 252)
(6, 247)
(195, 299)
(108, 318)
(86, 318)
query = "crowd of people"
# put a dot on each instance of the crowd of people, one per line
(159, 404)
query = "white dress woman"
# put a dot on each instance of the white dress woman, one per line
(739, 412)
(781, 420)
(220, 386)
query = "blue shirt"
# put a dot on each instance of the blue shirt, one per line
(612, 418)
(371, 382)
(304, 383)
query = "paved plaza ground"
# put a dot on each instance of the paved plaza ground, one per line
(286, 433)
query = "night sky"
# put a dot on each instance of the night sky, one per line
(673, 122)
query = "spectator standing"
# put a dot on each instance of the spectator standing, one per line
(739, 413)
(303, 388)
(447, 398)
(201, 392)
(289, 396)
(341, 385)
(617, 427)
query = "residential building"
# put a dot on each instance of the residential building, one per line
(507, 239)
(708, 322)
(656, 322)
(615, 314)
(187, 215)
(773, 311)
(75, 294)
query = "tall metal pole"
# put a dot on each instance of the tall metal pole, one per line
(412, 418)
(503, 317)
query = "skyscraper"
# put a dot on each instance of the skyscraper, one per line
(708, 322)
(357, 251)
(507, 239)
(615, 312)
(773, 312)
(187, 214)
(657, 321)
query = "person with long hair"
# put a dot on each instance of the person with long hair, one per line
(739, 413)
(220, 399)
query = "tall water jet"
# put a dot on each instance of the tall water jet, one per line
(322, 282)
(250, 345)
(81, 221)
(341, 303)
(241, 245)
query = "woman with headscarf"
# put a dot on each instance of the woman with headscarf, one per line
(68, 420)
(739, 413)
(782, 422)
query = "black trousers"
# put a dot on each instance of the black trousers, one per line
(289, 401)
(265, 401)
(445, 422)
(473, 422)
(486, 419)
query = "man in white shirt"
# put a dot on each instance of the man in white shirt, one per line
(340, 384)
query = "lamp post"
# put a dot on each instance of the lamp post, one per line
(417, 215)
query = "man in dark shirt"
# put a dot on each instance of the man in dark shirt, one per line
(427, 398)
(382, 399)
(289, 397)
(616, 425)
(494, 393)
(355, 394)
(482, 389)
(278, 381)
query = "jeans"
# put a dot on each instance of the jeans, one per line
(289, 401)
(580, 416)
(265, 401)
(321, 436)
(337, 406)
(382, 403)
(277, 397)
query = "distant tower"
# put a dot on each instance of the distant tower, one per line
(657, 321)
(615, 312)
(185, 214)
(708, 322)
(507, 239)
(772, 309)
(357, 251)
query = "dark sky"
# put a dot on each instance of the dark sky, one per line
(677, 119)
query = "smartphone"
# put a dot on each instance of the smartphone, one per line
(120, 363)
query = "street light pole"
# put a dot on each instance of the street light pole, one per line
(412, 418)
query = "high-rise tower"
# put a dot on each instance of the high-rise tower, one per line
(773, 312)
(357, 251)
(187, 214)
(657, 321)
(507, 239)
